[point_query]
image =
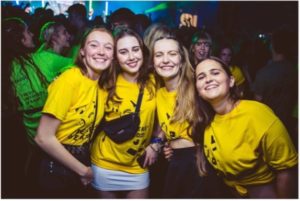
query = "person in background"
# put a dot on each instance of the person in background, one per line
(201, 47)
(176, 115)
(115, 166)
(244, 140)
(75, 105)
(226, 55)
(276, 84)
(142, 22)
(27, 75)
(153, 32)
(122, 17)
(78, 24)
(54, 37)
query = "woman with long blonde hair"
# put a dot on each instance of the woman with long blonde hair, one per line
(177, 115)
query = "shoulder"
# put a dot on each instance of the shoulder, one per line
(254, 105)
(69, 76)
(256, 109)
(72, 72)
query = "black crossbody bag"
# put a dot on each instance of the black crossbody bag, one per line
(124, 128)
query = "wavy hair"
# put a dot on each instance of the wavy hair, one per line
(186, 107)
(186, 93)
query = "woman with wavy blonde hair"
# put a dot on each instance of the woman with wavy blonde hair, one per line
(176, 101)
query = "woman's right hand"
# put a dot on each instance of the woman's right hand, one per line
(87, 177)
(168, 151)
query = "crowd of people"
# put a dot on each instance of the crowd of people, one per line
(215, 119)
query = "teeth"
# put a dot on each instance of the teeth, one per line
(166, 67)
(100, 60)
(210, 87)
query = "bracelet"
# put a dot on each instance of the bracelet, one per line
(156, 140)
(153, 148)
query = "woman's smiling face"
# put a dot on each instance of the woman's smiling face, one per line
(97, 52)
(167, 59)
(129, 54)
(212, 81)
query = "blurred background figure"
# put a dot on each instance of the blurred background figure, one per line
(201, 47)
(226, 54)
(122, 17)
(54, 37)
(26, 77)
(276, 84)
(78, 24)
(142, 22)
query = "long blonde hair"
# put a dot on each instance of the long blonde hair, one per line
(186, 94)
(186, 108)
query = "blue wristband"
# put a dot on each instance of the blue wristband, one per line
(156, 140)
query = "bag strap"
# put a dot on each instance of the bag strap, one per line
(95, 117)
(139, 101)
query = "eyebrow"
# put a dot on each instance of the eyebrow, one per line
(129, 47)
(213, 69)
(107, 43)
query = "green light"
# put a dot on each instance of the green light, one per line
(161, 6)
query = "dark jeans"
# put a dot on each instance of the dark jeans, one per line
(183, 180)
(58, 181)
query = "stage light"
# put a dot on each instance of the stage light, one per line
(91, 10)
(161, 6)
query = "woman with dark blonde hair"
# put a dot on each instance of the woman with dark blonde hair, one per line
(75, 105)
(177, 115)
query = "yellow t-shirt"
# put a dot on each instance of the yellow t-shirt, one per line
(246, 142)
(122, 157)
(165, 102)
(237, 74)
(72, 99)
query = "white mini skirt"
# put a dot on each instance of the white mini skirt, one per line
(112, 180)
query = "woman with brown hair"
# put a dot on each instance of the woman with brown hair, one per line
(244, 140)
(75, 105)
(118, 173)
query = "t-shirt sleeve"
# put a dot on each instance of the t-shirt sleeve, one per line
(59, 100)
(279, 151)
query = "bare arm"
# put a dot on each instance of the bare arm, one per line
(286, 182)
(47, 140)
